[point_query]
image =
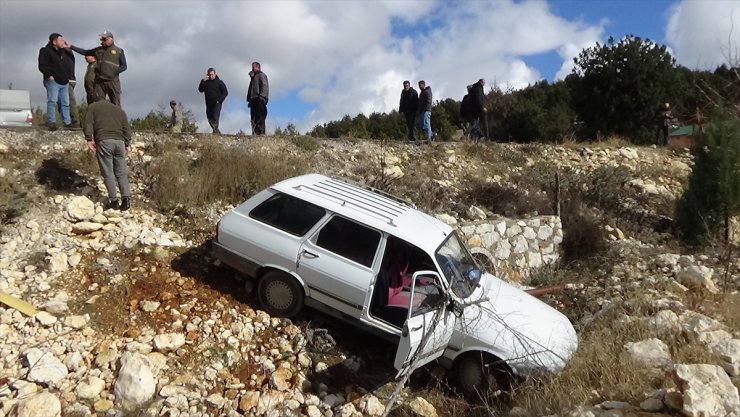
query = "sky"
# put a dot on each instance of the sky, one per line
(325, 58)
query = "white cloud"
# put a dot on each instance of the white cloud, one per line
(341, 57)
(705, 34)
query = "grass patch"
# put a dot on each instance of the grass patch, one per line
(217, 173)
(596, 373)
(307, 143)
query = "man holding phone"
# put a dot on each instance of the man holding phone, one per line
(215, 93)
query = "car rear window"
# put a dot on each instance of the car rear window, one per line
(288, 213)
(349, 240)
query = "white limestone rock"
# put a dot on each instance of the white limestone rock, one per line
(80, 208)
(421, 407)
(707, 390)
(43, 404)
(650, 352)
(135, 383)
(697, 277)
(729, 352)
(44, 367)
(84, 228)
(45, 318)
(90, 388)
(168, 342)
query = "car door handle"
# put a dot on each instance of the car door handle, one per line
(414, 329)
(310, 255)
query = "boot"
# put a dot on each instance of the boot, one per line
(112, 204)
(125, 203)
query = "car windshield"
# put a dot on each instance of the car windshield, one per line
(458, 266)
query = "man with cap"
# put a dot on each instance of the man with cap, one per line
(111, 62)
(55, 67)
(176, 120)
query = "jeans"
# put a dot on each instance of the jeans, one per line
(213, 113)
(111, 154)
(425, 123)
(54, 93)
(410, 124)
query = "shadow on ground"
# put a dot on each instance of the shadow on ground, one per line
(54, 174)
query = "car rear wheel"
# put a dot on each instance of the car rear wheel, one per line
(479, 375)
(280, 294)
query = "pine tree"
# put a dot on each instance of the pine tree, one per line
(713, 194)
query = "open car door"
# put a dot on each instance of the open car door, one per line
(429, 324)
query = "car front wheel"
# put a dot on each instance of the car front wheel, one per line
(478, 375)
(280, 294)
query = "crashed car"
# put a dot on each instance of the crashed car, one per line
(374, 260)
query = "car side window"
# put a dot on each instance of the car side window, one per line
(350, 240)
(288, 213)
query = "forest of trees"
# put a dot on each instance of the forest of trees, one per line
(615, 89)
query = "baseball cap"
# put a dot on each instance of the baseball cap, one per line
(106, 34)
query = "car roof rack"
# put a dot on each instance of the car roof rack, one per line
(376, 191)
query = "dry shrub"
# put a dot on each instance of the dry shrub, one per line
(307, 143)
(219, 173)
(584, 238)
(519, 199)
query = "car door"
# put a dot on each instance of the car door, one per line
(429, 325)
(337, 263)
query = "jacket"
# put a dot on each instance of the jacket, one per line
(111, 61)
(425, 100)
(55, 63)
(467, 107)
(215, 90)
(259, 86)
(90, 77)
(105, 120)
(409, 101)
(479, 97)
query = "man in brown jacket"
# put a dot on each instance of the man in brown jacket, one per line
(108, 134)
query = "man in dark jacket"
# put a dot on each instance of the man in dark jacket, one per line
(108, 135)
(90, 79)
(480, 110)
(258, 94)
(55, 67)
(407, 107)
(469, 116)
(215, 93)
(424, 110)
(111, 62)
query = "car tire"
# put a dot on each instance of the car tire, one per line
(280, 294)
(478, 375)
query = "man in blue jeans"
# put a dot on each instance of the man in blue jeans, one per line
(54, 65)
(424, 110)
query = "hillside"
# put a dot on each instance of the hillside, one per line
(137, 319)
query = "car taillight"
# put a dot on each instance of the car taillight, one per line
(29, 118)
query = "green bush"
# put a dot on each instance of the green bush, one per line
(713, 193)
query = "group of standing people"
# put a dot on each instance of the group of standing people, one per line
(215, 92)
(106, 125)
(417, 109)
(474, 112)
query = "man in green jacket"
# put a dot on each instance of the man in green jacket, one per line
(111, 62)
(108, 135)
(90, 78)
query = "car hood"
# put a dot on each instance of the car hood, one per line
(517, 327)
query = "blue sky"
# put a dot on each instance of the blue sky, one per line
(329, 58)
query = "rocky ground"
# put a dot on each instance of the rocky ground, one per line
(136, 319)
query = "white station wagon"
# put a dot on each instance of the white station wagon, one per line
(375, 261)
